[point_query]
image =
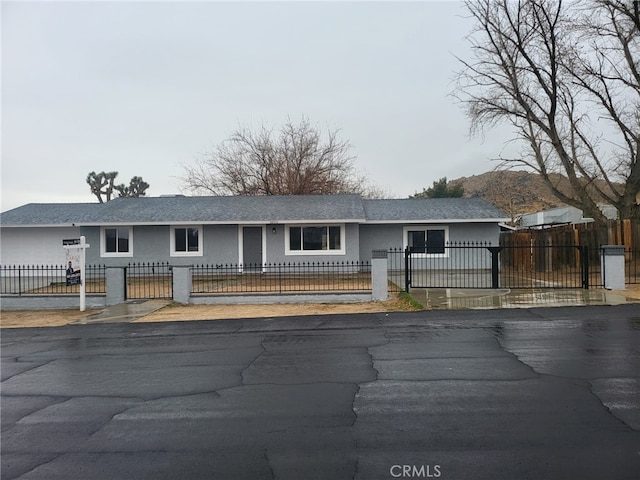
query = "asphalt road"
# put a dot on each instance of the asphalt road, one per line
(494, 394)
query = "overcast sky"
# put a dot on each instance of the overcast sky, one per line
(144, 87)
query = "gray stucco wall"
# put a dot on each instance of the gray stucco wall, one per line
(220, 243)
(34, 246)
(381, 237)
(220, 246)
(276, 247)
(49, 302)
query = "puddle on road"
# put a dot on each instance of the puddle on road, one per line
(451, 298)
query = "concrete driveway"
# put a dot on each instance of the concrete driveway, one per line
(485, 394)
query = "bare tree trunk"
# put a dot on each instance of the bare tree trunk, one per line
(565, 75)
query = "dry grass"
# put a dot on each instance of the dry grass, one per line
(40, 318)
(235, 283)
(632, 291)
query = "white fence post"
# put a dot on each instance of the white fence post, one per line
(115, 278)
(612, 262)
(379, 275)
(181, 284)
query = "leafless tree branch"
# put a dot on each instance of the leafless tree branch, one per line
(566, 76)
(296, 160)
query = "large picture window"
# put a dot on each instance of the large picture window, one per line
(315, 239)
(116, 242)
(186, 241)
(428, 241)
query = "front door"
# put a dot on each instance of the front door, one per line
(252, 248)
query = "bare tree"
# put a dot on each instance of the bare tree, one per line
(565, 76)
(294, 161)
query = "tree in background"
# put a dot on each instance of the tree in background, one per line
(137, 188)
(441, 189)
(102, 185)
(296, 160)
(566, 76)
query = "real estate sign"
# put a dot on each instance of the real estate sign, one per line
(75, 257)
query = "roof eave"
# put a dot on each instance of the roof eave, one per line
(40, 225)
(439, 220)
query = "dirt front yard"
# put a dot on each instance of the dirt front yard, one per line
(176, 312)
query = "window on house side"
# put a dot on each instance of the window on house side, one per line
(317, 238)
(186, 241)
(427, 241)
(116, 240)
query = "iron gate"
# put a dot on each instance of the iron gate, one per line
(481, 265)
(148, 280)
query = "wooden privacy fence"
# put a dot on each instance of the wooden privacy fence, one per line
(590, 235)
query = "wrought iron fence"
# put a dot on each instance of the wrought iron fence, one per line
(148, 280)
(281, 277)
(49, 280)
(482, 265)
(632, 266)
(396, 270)
(549, 266)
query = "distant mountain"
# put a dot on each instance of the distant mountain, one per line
(515, 192)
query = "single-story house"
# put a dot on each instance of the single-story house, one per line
(245, 230)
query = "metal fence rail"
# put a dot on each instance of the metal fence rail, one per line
(281, 277)
(549, 266)
(482, 265)
(632, 266)
(395, 270)
(148, 280)
(48, 280)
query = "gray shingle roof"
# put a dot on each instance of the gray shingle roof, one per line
(51, 214)
(431, 209)
(268, 209)
(251, 209)
(168, 210)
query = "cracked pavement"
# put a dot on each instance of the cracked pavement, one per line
(492, 394)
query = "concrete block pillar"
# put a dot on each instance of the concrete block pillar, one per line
(115, 285)
(379, 277)
(182, 284)
(612, 262)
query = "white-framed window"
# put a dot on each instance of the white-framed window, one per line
(428, 241)
(315, 239)
(116, 241)
(186, 241)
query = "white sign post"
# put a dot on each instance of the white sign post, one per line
(76, 250)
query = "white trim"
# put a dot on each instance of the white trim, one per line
(172, 241)
(270, 222)
(438, 221)
(420, 228)
(103, 242)
(247, 223)
(287, 243)
(241, 244)
(42, 225)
